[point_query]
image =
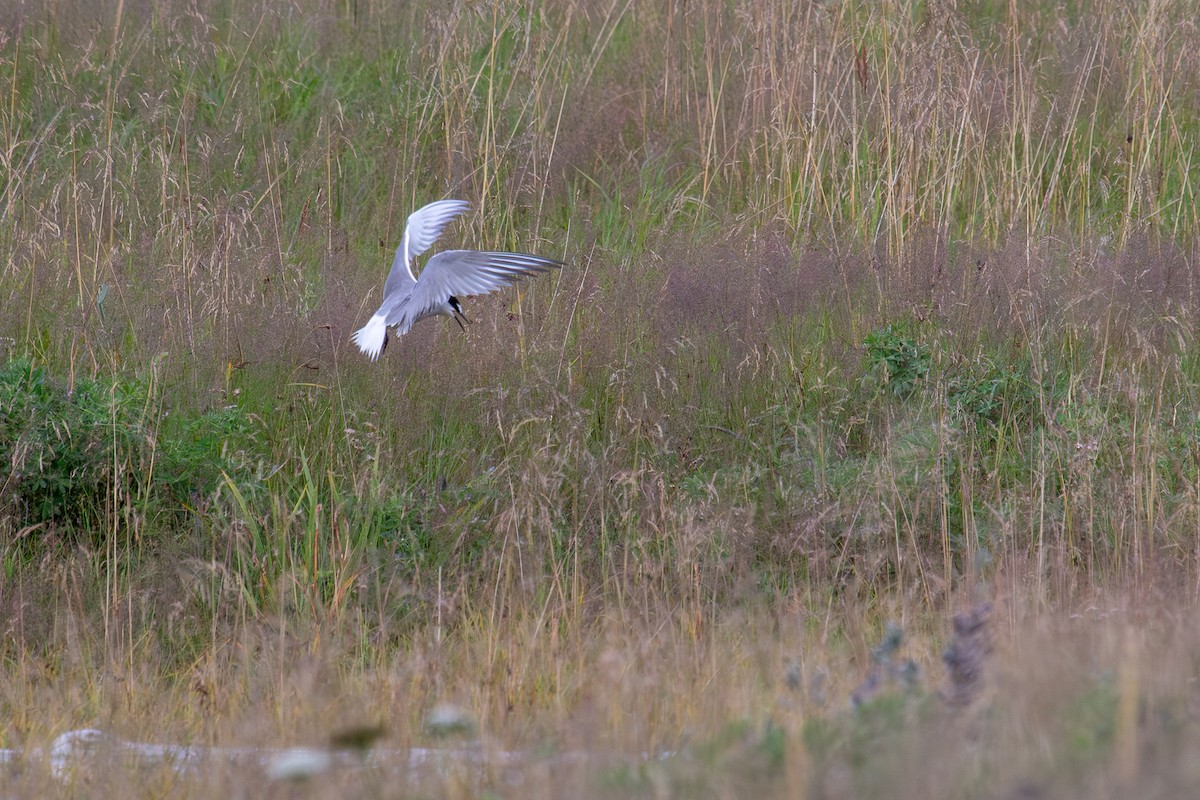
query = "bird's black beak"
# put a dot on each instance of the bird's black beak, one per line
(459, 316)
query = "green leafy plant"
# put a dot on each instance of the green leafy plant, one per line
(62, 446)
(986, 394)
(68, 451)
(896, 362)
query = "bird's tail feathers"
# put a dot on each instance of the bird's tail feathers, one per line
(371, 337)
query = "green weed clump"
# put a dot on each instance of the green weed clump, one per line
(71, 454)
(896, 362)
(59, 445)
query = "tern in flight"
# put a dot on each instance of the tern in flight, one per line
(446, 276)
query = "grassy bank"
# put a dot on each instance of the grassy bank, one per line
(873, 313)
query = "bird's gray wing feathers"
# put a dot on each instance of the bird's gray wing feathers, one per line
(465, 273)
(424, 226)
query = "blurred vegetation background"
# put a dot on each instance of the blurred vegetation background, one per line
(872, 310)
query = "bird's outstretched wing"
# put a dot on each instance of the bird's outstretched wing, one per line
(424, 226)
(465, 273)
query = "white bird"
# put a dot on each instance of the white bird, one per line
(408, 299)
